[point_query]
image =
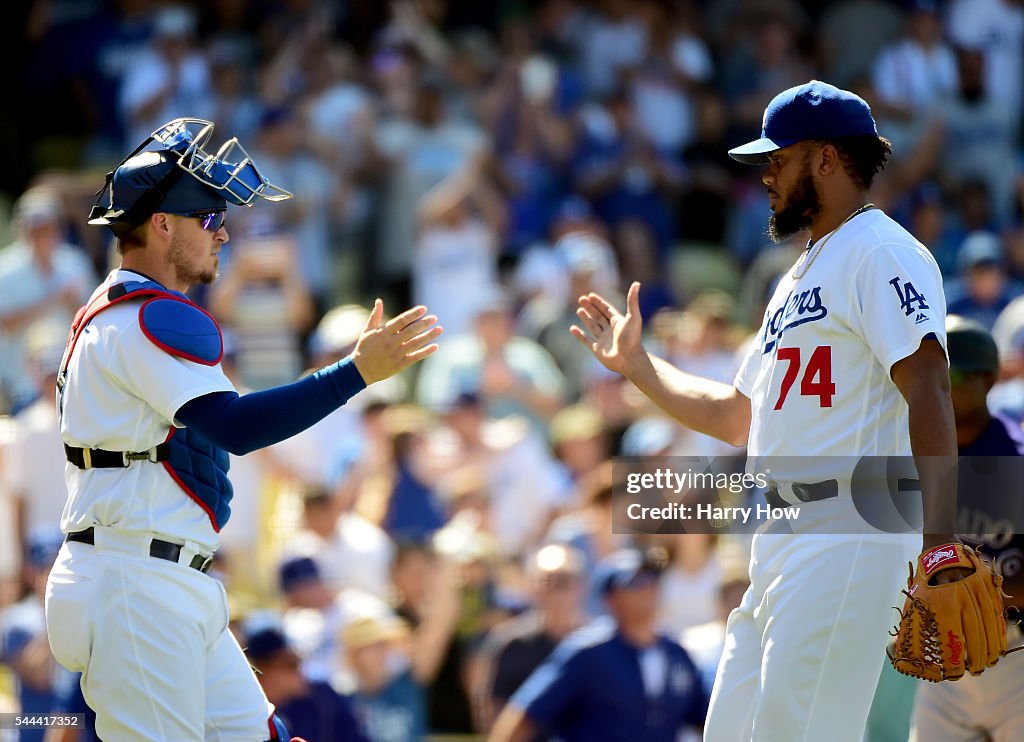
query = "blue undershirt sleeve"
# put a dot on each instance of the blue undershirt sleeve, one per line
(241, 424)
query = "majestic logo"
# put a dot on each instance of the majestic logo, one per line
(921, 317)
(800, 307)
(955, 647)
(910, 299)
(938, 556)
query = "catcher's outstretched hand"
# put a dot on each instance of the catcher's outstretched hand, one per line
(946, 627)
(613, 337)
(385, 348)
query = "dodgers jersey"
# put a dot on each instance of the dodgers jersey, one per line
(817, 373)
(121, 394)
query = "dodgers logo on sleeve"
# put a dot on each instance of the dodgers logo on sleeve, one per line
(911, 299)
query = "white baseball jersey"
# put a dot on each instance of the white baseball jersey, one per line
(817, 374)
(121, 394)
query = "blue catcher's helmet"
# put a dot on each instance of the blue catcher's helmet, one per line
(155, 180)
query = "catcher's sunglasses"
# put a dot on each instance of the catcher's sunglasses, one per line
(211, 221)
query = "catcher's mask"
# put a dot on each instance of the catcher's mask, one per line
(147, 181)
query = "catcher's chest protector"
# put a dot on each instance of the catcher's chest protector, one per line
(178, 326)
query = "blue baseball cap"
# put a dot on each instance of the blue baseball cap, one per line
(814, 110)
(297, 571)
(42, 546)
(623, 569)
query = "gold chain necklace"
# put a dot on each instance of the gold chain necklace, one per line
(812, 252)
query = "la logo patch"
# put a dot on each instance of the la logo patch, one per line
(910, 299)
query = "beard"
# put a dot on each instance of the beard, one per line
(801, 208)
(184, 272)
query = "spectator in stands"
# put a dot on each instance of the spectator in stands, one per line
(662, 85)
(589, 529)
(519, 646)
(996, 29)
(769, 62)
(1008, 394)
(912, 75)
(929, 221)
(624, 174)
(236, 107)
(455, 265)
(42, 279)
(984, 289)
(310, 708)
(304, 221)
(421, 149)
(266, 306)
(35, 485)
(589, 264)
(847, 57)
(613, 679)
(688, 590)
(980, 136)
(351, 551)
(23, 643)
(580, 443)
(428, 588)
(312, 615)
(414, 510)
(523, 487)
(527, 110)
(387, 696)
(510, 375)
(610, 38)
(171, 80)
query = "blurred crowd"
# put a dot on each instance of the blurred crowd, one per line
(419, 552)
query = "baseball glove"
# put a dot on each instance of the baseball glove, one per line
(948, 629)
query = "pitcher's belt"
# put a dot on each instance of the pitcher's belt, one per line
(825, 490)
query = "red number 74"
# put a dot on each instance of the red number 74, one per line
(817, 377)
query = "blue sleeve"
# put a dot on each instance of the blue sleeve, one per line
(552, 689)
(240, 424)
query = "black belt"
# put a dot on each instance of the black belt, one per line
(805, 492)
(157, 548)
(97, 458)
(826, 490)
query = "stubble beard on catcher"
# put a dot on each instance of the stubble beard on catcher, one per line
(184, 272)
(802, 207)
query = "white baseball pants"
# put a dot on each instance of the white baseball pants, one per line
(804, 650)
(152, 641)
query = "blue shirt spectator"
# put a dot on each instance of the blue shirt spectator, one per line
(395, 713)
(595, 687)
(616, 678)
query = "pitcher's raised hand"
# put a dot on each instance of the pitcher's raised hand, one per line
(613, 337)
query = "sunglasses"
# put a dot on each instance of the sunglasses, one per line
(211, 221)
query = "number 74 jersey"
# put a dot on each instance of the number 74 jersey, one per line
(817, 373)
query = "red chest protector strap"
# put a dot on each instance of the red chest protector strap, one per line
(116, 294)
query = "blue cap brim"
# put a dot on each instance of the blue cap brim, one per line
(754, 153)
